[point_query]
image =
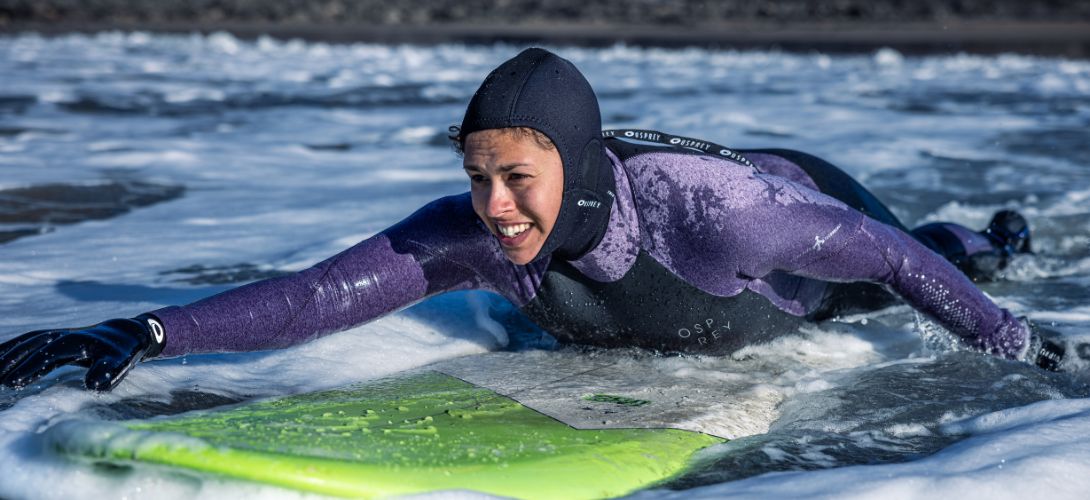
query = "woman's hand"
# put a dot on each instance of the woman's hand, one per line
(108, 350)
(1046, 348)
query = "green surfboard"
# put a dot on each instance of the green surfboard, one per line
(414, 433)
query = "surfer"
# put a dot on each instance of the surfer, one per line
(624, 238)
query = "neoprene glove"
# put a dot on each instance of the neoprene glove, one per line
(108, 350)
(1046, 350)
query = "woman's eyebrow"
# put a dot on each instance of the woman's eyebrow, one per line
(502, 168)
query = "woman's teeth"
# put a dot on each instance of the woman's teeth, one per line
(513, 230)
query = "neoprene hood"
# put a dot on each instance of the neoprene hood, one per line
(542, 91)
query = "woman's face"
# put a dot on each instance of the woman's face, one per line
(517, 186)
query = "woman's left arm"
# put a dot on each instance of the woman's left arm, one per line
(815, 236)
(928, 282)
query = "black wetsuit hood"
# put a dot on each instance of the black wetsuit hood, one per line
(542, 91)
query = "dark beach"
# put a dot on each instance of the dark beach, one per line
(1043, 27)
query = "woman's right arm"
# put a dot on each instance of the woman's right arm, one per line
(442, 247)
(389, 271)
(359, 284)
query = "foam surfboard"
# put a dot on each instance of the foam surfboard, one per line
(418, 432)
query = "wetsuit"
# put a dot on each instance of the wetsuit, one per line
(684, 248)
(700, 254)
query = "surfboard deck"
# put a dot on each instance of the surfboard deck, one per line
(412, 433)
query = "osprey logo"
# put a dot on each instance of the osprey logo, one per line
(645, 135)
(156, 330)
(690, 143)
(589, 203)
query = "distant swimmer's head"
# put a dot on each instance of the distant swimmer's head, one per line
(538, 108)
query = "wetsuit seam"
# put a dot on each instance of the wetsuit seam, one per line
(645, 153)
(635, 207)
(847, 243)
(894, 269)
(518, 93)
(427, 250)
(315, 289)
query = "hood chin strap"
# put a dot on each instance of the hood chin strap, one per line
(584, 214)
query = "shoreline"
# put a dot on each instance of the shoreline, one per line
(1048, 38)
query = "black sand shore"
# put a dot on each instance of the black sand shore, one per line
(1050, 27)
(1052, 38)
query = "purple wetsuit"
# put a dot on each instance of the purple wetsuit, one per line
(687, 233)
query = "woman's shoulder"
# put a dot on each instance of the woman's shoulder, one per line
(445, 222)
(702, 184)
(690, 181)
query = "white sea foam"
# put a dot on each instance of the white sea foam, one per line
(292, 151)
(1037, 451)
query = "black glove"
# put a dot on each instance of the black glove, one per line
(108, 350)
(1046, 349)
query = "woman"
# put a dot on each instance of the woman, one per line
(600, 241)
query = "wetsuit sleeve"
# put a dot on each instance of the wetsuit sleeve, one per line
(929, 283)
(386, 272)
(821, 239)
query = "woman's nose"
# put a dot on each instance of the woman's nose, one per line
(499, 200)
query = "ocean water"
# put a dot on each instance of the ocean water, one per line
(139, 170)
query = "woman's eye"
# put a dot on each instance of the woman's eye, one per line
(477, 179)
(517, 177)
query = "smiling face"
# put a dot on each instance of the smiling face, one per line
(517, 186)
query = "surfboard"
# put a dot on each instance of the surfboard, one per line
(417, 432)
